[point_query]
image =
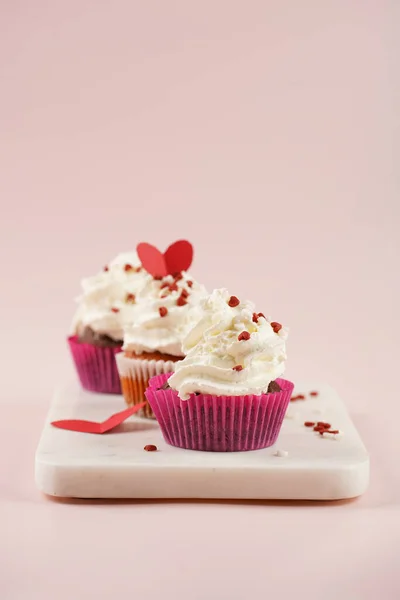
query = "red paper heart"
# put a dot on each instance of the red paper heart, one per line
(152, 260)
(93, 427)
(177, 257)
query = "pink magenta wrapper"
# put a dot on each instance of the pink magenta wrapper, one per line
(96, 367)
(219, 423)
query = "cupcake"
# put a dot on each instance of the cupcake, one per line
(227, 394)
(97, 329)
(166, 308)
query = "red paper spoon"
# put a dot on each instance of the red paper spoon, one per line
(93, 427)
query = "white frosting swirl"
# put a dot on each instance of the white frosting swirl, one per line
(165, 311)
(106, 301)
(213, 349)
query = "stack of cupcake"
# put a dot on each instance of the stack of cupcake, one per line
(210, 366)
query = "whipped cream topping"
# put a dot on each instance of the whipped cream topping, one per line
(165, 310)
(108, 297)
(231, 351)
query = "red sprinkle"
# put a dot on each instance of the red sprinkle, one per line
(178, 276)
(128, 267)
(130, 298)
(189, 283)
(164, 285)
(276, 326)
(256, 316)
(314, 393)
(105, 268)
(298, 397)
(115, 310)
(184, 293)
(157, 277)
(173, 287)
(322, 427)
(244, 336)
(181, 301)
(163, 310)
(150, 448)
(238, 368)
(233, 301)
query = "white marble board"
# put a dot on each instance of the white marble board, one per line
(302, 465)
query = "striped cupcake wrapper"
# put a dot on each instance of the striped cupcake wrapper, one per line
(96, 367)
(134, 374)
(219, 423)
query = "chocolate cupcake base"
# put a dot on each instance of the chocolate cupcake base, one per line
(100, 340)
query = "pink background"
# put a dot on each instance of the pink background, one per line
(263, 132)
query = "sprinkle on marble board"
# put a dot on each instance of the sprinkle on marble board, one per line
(322, 428)
(150, 448)
(281, 453)
(297, 397)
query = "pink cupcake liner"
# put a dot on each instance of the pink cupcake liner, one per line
(219, 423)
(95, 366)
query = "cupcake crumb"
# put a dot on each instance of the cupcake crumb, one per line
(281, 453)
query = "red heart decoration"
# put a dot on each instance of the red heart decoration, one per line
(177, 257)
(93, 426)
(152, 260)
